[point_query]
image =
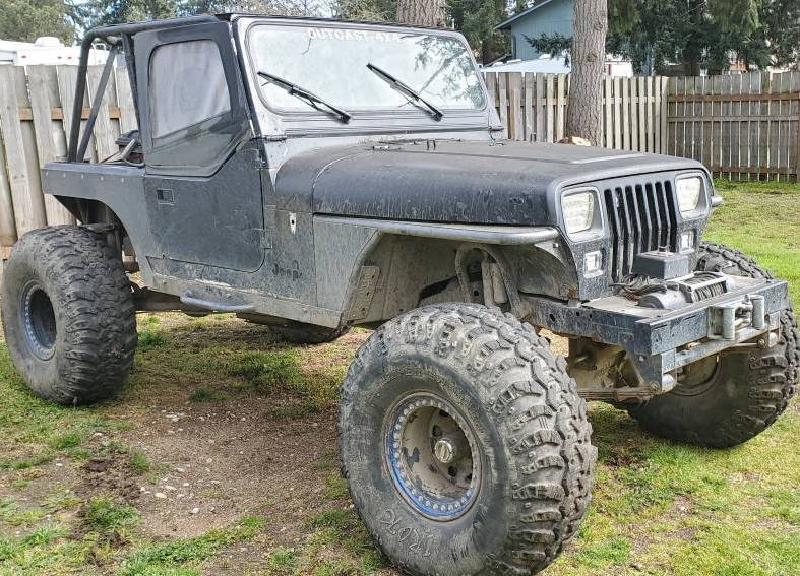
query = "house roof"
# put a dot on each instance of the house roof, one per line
(508, 21)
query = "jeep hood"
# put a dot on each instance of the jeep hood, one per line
(453, 181)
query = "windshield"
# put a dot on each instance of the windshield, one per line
(332, 62)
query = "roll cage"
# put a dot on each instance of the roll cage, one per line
(120, 38)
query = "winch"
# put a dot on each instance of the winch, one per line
(674, 294)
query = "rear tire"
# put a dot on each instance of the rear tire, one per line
(522, 476)
(68, 315)
(727, 400)
(718, 258)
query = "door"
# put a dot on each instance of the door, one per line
(202, 182)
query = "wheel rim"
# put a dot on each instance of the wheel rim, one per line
(432, 456)
(39, 321)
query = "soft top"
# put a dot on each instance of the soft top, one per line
(130, 28)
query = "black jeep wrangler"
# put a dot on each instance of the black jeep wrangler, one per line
(315, 175)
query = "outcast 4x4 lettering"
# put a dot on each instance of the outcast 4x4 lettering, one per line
(315, 175)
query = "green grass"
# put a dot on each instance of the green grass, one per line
(688, 511)
(204, 395)
(186, 554)
(33, 432)
(282, 561)
(660, 509)
(102, 515)
(139, 462)
(762, 220)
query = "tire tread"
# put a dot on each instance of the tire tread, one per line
(536, 407)
(99, 322)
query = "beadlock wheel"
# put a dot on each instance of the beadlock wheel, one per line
(432, 456)
(38, 320)
(466, 447)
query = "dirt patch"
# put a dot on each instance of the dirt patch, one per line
(110, 476)
(217, 463)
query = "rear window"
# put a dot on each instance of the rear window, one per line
(187, 86)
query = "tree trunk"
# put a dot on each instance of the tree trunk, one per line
(421, 12)
(585, 110)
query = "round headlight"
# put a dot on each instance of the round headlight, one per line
(689, 191)
(578, 210)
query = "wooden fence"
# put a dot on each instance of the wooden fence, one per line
(740, 126)
(35, 115)
(743, 127)
(533, 107)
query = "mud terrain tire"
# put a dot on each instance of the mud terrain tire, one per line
(744, 393)
(68, 315)
(531, 435)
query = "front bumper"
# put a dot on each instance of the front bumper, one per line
(659, 342)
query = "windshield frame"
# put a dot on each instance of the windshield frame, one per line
(370, 113)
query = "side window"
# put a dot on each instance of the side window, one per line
(187, 87)
(193, 106)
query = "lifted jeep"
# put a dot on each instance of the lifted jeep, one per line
(314, 175)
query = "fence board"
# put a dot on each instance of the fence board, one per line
(515, 130)
(502, 98)
(29, 211)
(104, 136)
(626, 115)
(550, 112)
(127, 112)
(662, 102)
(561, 106)
(66, 76)
(41, 82)
(530, 86)
(540, 105)
(795, 86)
(8, 229)
(609, 134)
(618, 113)
(638, 100)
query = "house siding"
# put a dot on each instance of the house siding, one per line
(553, 18)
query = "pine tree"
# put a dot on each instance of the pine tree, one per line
(705, 34)
(584, 112)
(421, 12)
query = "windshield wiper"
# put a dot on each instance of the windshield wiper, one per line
(404, 88)
(308, 97)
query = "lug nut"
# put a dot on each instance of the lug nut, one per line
(444, 450)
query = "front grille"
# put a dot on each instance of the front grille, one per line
(642, 218)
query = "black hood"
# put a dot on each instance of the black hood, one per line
(454, 181)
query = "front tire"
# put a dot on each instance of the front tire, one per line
(505, 480)
(726, 400)
(68, 315)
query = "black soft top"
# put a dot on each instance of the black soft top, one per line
(130, 28)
